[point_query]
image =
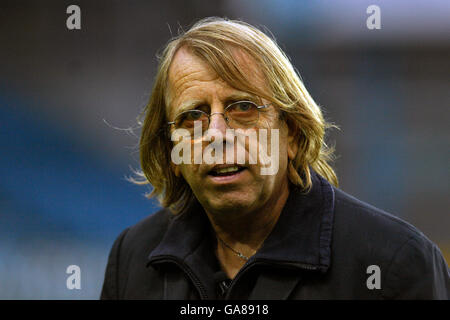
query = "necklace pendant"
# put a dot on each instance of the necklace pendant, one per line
(242, 256)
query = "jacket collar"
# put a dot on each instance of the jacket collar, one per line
(301, 237)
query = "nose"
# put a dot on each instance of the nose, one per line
(217, 121)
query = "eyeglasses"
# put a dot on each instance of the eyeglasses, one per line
(240, 114)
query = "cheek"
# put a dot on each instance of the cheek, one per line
(282, 149)
(189, 171)
(189, 174)
(281, 142)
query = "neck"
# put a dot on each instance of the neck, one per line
(246, 232)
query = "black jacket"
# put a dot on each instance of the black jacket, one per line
(320, 248)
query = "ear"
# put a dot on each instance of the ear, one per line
(175, 169)
(292, 147)
(293, 136)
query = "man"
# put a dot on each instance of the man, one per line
(229, 229)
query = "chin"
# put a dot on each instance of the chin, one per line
(230, 204)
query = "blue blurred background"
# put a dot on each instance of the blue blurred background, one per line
(64, 95)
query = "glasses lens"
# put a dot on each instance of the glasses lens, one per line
(242, 113)
(187, 119)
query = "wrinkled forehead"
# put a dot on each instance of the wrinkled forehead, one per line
(187, 66)
(237, 70)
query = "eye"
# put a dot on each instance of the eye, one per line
(193, 115)
(187, 119)
(242, 109)
(243, 106)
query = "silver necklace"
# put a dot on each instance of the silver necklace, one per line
(239, 254)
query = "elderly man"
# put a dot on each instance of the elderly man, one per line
(230, 230)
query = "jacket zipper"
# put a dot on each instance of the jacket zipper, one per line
(267, 263)
(196, 282)
(201, 289)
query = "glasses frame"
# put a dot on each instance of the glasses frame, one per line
(258, 108)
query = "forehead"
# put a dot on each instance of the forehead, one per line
(189, 75)
(187, 67)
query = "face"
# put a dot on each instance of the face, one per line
(195, 85)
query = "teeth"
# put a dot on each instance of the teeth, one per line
(226, 170)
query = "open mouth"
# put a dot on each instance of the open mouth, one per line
(225, 171)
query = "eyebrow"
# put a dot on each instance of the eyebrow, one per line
(240, 97)
(188, 105)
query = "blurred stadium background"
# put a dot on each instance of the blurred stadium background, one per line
(63, 94)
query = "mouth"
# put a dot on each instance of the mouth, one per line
(226, 170)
